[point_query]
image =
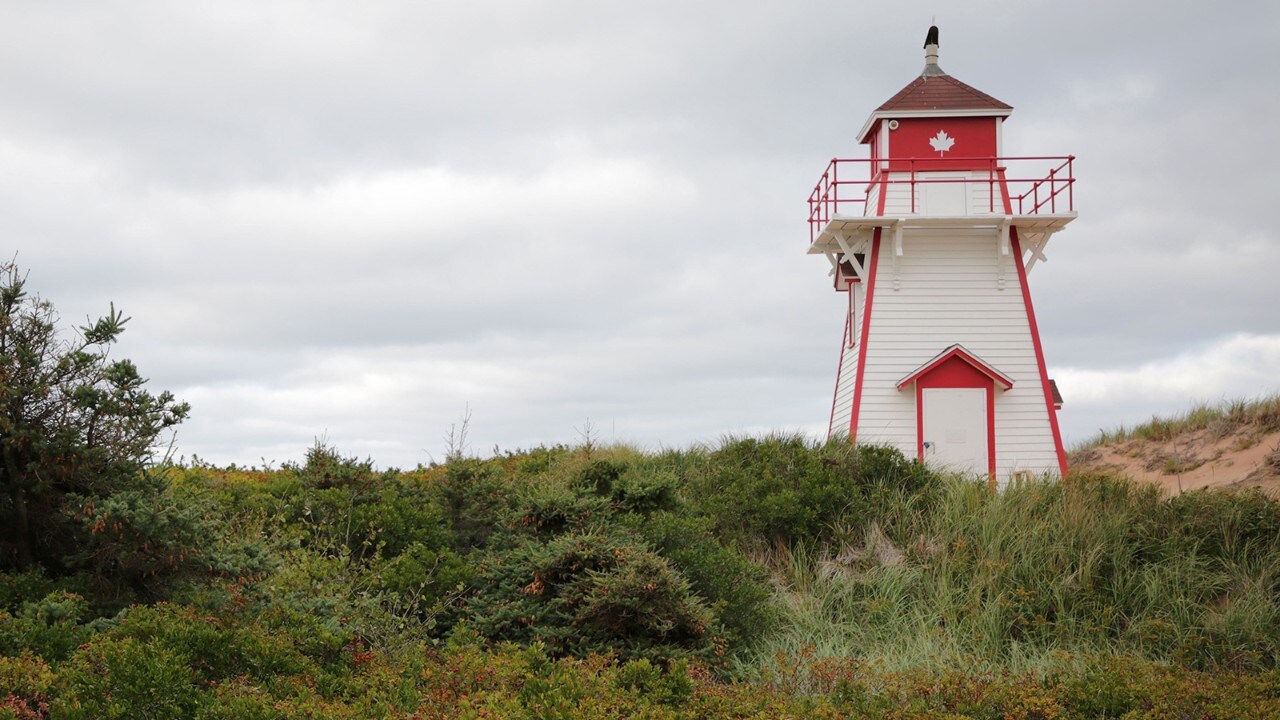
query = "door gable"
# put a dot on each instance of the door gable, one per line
(956, 367)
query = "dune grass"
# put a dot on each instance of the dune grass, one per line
(1020, 580)
(1222, 418)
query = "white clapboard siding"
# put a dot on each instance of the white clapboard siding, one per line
(842, 410)
(897, 196)
(873, 200)
(947, 292)
(977, 188)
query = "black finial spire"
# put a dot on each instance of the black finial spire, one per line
(932, 37)
(931, 53)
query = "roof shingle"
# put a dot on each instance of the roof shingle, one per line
(941, 92)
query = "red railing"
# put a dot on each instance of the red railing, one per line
(1016, 185)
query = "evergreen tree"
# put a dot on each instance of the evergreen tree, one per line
(74, 424)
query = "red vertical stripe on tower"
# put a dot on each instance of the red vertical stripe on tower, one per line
(1035, 339)
(872, 261)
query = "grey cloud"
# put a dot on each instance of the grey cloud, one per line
(359, 220)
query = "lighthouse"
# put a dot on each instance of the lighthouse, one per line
(931, 238)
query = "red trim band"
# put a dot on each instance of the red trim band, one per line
(866, 330)
(1035, 339)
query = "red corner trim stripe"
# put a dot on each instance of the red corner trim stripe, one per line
(1035, 339)
(866, 330)
(919, 421)
(866, 315)
(991, 433)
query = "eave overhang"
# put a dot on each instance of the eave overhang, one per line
(847, 227)
(879, 115)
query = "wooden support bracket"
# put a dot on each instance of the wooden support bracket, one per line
(835, 264)
(850, 255)
(1036, 251)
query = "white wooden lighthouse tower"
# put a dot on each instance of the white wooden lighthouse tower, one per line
(932, 239)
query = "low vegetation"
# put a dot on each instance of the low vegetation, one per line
(561, 582)
(764, 577)
(1262, 415)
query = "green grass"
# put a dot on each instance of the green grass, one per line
(1223, 418)
(1019, 580)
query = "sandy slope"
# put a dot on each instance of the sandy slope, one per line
(1210, 457)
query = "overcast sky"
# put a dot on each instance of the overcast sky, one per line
(353, 221)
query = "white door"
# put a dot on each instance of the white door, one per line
(955, 429)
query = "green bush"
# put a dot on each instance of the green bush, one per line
(18, 588)
(475, 499)
(141, 542)
(647, 492)
(597, 477)
(672, 687)
(122, 677)
(590, 592)
(785, 490)
(213, 647)
(628, 487)
(736, 589)
(50, 627)
(549, 511)
(342, 502)
(428, 576)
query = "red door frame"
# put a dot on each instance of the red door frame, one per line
(956, 372)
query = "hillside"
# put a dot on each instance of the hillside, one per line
(762, 577)
(1234, 444)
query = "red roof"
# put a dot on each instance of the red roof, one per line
(941, 92)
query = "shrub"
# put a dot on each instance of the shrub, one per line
(547, 512)
(140, 540)
(590, 592)
(25, 681)
(784, 490)
(474, 500)
(647, 492)
(50, 627)
(425, 576)
(213, 647)
(597, 477)
(125, 678)
(17, 588)
(343, 502)
(673, 687)
(736, 589)
(628, 487)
